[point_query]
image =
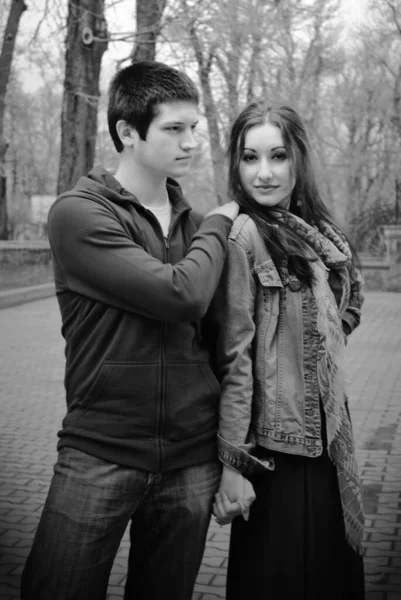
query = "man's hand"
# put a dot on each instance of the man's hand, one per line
(234, 497)
(230, 210)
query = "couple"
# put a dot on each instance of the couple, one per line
(166, 318)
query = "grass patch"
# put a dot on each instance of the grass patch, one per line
(18, 276)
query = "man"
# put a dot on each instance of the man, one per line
(134, 273)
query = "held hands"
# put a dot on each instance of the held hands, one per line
(230, 210)
(234, 497)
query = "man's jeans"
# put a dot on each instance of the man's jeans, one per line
(89, 505)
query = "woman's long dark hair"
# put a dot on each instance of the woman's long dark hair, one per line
(282, 242)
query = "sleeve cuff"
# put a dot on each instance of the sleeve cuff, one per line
(350, 321)
(241, 460)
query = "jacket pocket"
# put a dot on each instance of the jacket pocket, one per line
(95, 388)
(192, 395)
(268, 274)
(269, 285)
(122, 398)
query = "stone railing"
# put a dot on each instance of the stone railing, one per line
(34, 253)
(25, 252)
(379, 272)
(384, 272)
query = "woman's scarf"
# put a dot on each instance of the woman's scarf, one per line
(333, 252)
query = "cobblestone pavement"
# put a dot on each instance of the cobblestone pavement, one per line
(32, 406)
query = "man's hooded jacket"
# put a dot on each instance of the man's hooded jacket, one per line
(140, 391)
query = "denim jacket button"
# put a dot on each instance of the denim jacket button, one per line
(294, 284)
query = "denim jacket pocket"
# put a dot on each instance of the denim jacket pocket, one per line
(268, 274)
(270, 284)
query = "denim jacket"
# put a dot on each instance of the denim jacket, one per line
(266, 349)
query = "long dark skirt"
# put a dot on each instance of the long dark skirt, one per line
(293, 547)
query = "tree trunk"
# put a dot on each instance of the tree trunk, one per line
(6, 56)
(396, 117)
(216, 150)
(86, 42)
(253, 64)
(148, 19)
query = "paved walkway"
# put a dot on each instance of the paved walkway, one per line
(32, 406)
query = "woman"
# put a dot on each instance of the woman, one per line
(289, 296)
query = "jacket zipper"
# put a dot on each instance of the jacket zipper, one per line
(162, 404)
(162, 413)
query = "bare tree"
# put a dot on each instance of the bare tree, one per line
(6, 56)
(368, 102)
(148, 23)
(85, 45)
(393, 9)
(244, 49)
(204, 56)
(347, 90)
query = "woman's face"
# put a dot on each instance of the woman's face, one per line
(264, 167)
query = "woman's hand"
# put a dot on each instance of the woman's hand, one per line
(234, 497)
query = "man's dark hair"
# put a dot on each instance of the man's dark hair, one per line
(136, 91)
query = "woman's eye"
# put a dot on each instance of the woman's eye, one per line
(280, 156)
(249, 158)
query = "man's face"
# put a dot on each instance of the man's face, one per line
(170, 141)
